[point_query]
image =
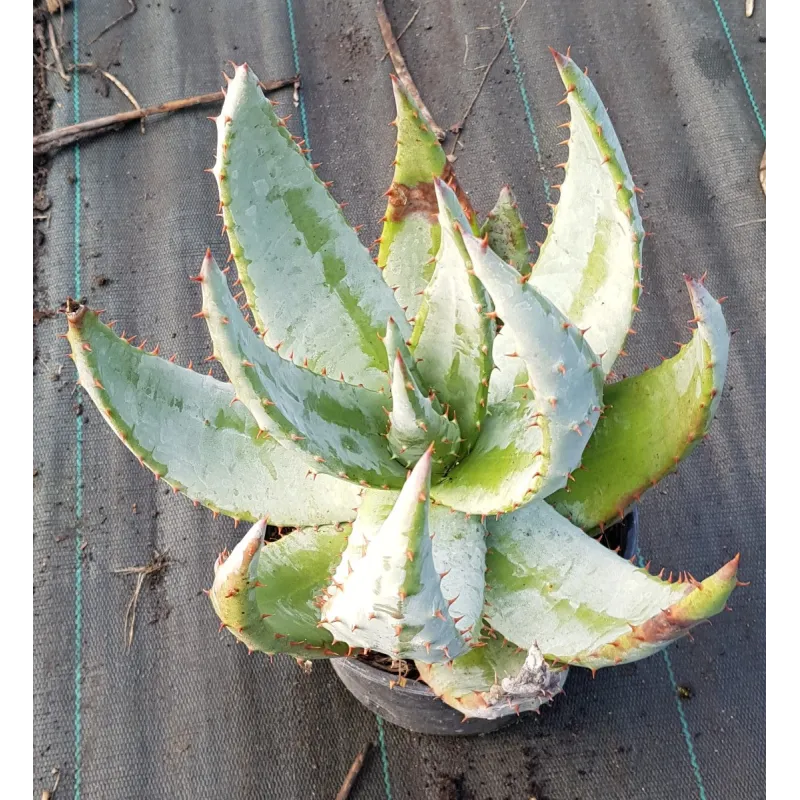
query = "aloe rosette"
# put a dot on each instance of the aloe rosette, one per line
(423, 434)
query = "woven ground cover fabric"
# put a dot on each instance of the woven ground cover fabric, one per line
(184, 712)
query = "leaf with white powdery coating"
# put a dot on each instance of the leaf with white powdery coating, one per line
(533, 438)
(651, 422)
(582, 604)
(590, 262)
(453, 333)
(184, 427)
(298, 259)
(386, 594)
(458, 548)
(339, 425)
(415, 424)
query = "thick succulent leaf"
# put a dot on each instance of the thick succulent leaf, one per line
(309, 281)
(452, 337)
(184, 427)
(495, 680)
(386, 594)
(458, 548)
(340, 426)
(459, 557)
(267, 595)
(411, 234)
(651, 422)
(509, 370)
(582, 604)
(394, 341)
(415, 424)
(532, 440)
(506, 232)
(589, 264)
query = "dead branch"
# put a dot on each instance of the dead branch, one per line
(402, 32)
(129, 13)
(399, 64)
(61, 137)
(56, 48)
(92, 67)
(352, 774)
(158, 563)
(57, 5)
(459, 126)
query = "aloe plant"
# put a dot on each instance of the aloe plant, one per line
(419, 424)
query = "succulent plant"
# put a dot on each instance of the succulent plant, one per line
(434, 428)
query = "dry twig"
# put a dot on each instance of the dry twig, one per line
(61, 137)
(400, 35)
(56, 48)
(459, 126)
(48, 794)
(399, 64)
(92, 67)
(158, 564)
(129, 13)
(352, 774)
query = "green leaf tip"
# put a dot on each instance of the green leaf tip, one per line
(701, 601)
(582, 604)
(411, 230)
(505, 231)
(415, 424)
(420, 157)
(652, 422)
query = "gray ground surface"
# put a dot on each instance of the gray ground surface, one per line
(186, 714)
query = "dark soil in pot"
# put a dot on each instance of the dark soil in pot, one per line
(374, 680)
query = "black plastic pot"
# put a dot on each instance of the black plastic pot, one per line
(414, 706)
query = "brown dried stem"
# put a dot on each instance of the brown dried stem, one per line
(402, 32)
(158, 563)
(352, 773)
(129, 13)
(399, 64)
(91, 67)
(61, 137)
(459, 126)
(56, 48)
